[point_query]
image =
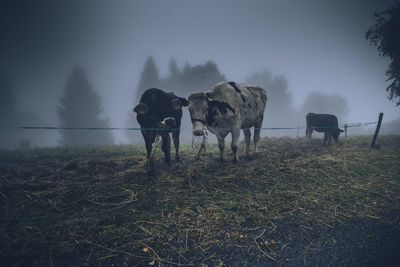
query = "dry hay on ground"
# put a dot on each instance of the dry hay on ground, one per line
(101, 206)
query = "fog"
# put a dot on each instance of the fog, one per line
(313, 49)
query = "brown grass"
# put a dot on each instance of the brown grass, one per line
(101, 206)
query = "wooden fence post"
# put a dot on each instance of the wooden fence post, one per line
(345, 147)
(378, 126)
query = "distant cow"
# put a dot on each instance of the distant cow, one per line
(227, 108)
(159, 113)
(323, 123)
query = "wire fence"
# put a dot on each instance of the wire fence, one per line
(204, 143)
(349, 125)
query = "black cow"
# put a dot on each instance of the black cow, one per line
(323, 123)
(160, 113)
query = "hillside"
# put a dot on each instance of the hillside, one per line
(292, 204)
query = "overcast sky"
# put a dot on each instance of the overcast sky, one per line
(318, 45)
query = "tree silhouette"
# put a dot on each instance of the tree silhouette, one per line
(81, 107)
(200, 77)
(7, 112)
(11, 116)
(279, 111)
(321, 103)
(174, 71)
(385, 35)
(149, 77)
(182, 82)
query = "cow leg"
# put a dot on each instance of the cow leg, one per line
(175, 137)
(166, 147)
(234, 145)
(309, 131)
(329, 139)
(221, 145)
(257, 130)
(247, 136)
(325, 137)
(149, 138)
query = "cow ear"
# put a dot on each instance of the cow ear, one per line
(141, 108)
(184, 101)
(176, 103)
(341, 130)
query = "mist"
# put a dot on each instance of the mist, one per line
(310, 56)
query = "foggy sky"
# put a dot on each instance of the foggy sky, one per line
(317, 45)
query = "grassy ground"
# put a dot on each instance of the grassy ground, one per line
(292, 204)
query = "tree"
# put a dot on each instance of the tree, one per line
(7, 113)
(11, 116)
(321, 103)
(149, 77)
(200, 77)
(279, 111)
(385, 35)
(174, 71)
(81, 107)
(182, 82)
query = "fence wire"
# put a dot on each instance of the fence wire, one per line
(356, 124)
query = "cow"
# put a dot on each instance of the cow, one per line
(227, 108)
(323, 123)
(160, 113)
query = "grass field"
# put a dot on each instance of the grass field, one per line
(291, 204)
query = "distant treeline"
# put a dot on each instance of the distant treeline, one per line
(280, 111)
(81, 105)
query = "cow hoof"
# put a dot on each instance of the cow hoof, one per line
(235, 160)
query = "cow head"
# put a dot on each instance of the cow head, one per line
(198, 109)
(336, 133)
(204, 111)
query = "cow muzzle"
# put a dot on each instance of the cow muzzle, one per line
(198, 128)
(198, 132)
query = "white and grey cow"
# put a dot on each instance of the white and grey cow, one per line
(227, 108)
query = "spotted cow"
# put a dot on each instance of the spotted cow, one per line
(227, 108)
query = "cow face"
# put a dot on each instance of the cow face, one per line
(198, 109)
(336, 133)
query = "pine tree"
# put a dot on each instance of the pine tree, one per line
(149, 77)
(81, 107)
